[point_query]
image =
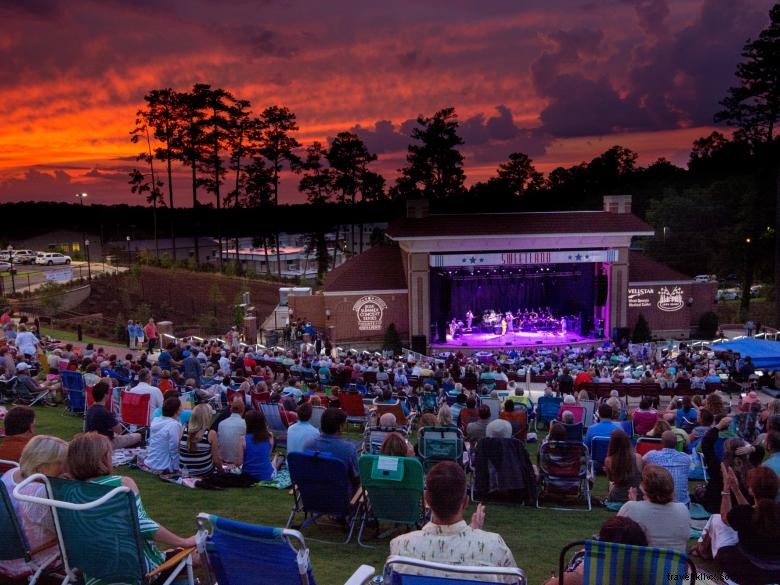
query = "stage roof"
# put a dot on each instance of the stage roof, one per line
(377, 269)
(644, 269)
(505, 224)
(763, 353)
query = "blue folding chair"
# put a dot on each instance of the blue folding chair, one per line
(628, 427)
(322, 487)
(246, 554)
(598, 453)
(75, 387)
(547, 410)
(399, 570)
(608, 563)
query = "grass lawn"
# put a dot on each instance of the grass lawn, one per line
(534, 536)
(64, 335)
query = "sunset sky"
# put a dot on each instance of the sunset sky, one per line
(561, 80)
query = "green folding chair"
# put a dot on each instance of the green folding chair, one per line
(394, 489)
(99, 534)
(437, 444)
(13, 543)
(608, 563)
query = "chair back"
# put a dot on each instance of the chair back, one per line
(13, 543)
(352, 404)
(375, 436)
(316, 416)
(394, 486)
(115, 520)
(494, 404)
(440, 444)
(608, 563)
(322, 481)
(577, 410)
(246, 554)
(547, 408)
(259, 398)
(590, 409)
(518, 418)
(91, 400)
(442, 574)
(396, 409)
(430, 402)
(627, 426)
(73, 383)
(273, 416)
(466, 416)
(134, 408)
(574, 432)
(598, 451)
(563, 459)
(647, 444)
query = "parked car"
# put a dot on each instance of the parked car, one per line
(727, 294)
(5, 266)
(49, 258)
(705, 278)
(23, 256)
(5, 256)
(755, 290)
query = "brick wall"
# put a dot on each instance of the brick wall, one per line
(681, 322)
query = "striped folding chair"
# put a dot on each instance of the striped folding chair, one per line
(609, 563)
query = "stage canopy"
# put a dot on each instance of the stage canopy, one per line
(765, 354)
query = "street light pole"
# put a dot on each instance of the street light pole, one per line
(128, 251)
(89, 266)
(81, 197)
(12, 271)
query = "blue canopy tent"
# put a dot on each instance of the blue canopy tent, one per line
(764, 354)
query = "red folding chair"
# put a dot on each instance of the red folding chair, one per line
(109, 399)
(134, 410)
(647, 444)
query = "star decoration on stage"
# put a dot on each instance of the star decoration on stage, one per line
(579, 257)
(473, 260)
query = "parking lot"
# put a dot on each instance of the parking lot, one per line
(31, 276)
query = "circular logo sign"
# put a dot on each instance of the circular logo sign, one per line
(670, 300)
(369, 310)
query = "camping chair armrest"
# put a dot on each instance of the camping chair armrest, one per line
(562, 558)
(357, 497)
(173, 561)
(361, 575)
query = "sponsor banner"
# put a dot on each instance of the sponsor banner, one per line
(666, 298)
(369, 310)
(522, 258)
(61, 275)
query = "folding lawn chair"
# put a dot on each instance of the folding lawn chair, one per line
(134, 410)
(574, 432)
(608, 563)
(8, 389)
(273, 416)
(564, 471)
(394, 489)
(577, 410)
(74, 387)
(352, 405)
(430, 402)
(13, 542)
(647, 444)
(518, 418)
(316, 416)
(246, 554)
(401, 418)
(82, 510)
(373, 437)
(494, 404)
(598, 452)
(590, 409)
(400, 570)
(437, 444)
(322, 487)
(501, 469)
(627, 426)
(547, 410)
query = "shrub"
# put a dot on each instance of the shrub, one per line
(641, 330)
(708, 325)
(392, 341)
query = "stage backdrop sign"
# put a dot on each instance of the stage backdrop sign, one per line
(369, 311)
(522, 258)
(668, 299)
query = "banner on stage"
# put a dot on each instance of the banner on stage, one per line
(522, 258)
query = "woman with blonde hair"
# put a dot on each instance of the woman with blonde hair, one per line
(199, 445)
(89, 459)
(43, 454)
(444, 417)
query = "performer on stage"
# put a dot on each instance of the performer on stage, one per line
(503, 326)
(469, 319)
(510, 322)
(563, 325)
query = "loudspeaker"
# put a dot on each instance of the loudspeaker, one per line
(619, 333)
(419, 344)
(602, 286)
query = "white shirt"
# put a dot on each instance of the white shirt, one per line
(162, 453)
(298, 434)
(224, 365)
(666, 525)
(26, 342)
(231, 433)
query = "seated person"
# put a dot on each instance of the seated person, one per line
(675, 462)
(477, 429)
(617, 529)
(745, 532)
(499, 429)
(468, 414)
(396, 445)
(447, 538)
(199, 445)
(444, 417)
(645, 417)
(666, 522)
(89, 459)
(101, 420)
(330, 441)
(255, 456)
(302, 431)
(43, 454)
(19, 429)
(231, 431)
(603, 428)
(28, 388)
(162, 454)
(622, 466)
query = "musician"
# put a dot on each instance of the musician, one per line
(563, 325)
(503, 326)
(510, 322)
(469, 319)
(453, 327)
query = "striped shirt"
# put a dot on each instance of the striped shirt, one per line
(199, 461)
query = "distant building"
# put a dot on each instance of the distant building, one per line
(70, 242)
(208, 248)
